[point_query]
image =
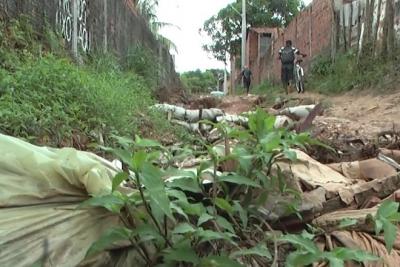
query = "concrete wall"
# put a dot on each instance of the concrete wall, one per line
(94, 25)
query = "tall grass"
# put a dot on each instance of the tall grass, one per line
(349, 72)
(47, 99)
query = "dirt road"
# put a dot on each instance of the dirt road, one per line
(355, 113)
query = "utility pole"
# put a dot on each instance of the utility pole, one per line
(244, 33)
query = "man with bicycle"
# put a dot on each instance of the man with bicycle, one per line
(287, 55)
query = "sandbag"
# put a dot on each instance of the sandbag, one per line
(300, 112)
(366, 169)
(188, 115)
(283, 122)
(309, 173)
(40, 189)
(394, 154)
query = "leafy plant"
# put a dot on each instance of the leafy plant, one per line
(182, 218)
(386, 220)
(307, 253)
(352, 71)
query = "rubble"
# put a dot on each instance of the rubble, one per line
(328, 193)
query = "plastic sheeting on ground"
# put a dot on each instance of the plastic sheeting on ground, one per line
(40, 189)
(370, 169)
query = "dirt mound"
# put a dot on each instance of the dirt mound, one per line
(240, 104)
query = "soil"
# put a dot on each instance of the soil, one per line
(352, 123)
(358, 114)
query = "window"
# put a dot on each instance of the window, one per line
(265, 43)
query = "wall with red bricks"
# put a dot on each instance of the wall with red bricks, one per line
(310, 32)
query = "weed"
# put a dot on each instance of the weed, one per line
(349, 72)
(47, 99)
(186, 221)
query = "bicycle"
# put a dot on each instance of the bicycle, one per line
(299, 76)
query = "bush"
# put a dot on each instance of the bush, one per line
(349, 71)
(52, 98)
(47, 99)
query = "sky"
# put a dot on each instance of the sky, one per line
(189, 16)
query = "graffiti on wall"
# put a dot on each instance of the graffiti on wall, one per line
(65, 22)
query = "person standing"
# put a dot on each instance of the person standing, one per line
(287, 55)
(246, 74)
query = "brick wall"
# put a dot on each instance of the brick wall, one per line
(314, 30)
(310, 32)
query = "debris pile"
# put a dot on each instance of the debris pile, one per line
(41, 189)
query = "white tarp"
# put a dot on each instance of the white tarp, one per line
(40, 189)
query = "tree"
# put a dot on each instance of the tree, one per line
(224, 28)
(147, 9)
(200, 82)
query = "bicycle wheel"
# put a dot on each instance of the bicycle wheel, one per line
(299, 80)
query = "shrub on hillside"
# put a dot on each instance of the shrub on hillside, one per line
(51, 98)
(349, 71)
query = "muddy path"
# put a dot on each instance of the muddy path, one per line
(356, 124)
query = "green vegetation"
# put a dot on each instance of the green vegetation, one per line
(186, 221)
(47, 99)
(267, 88)
(201, 81)
(349, 71)
(224, 28)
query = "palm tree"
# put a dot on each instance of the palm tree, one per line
(147, 9)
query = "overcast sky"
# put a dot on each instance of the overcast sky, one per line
(189, 16)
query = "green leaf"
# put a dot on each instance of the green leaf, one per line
(146, 143)
(347, 222)
(301, 242)
(243, 214)
(261, 123)
(179, 210)
(182, 254)
(219, 261)
(123, 155)
(147, 232)
(185, 184)
(152, 180)
(123, 141)
(390, 234)
(260, 250)
(301, 258)
(394, 217)
(224, 205)
(113, 202)
(353, 254)
(335, 262)
(271, 141)
(38, 264)
(378, 226)
(193, 209)
(139, 158)
(204, 166)
(179, 195)
(108, 238)
(244, 157)
(205, 217)
(240, 180)
(387, 209)
(209, 235)
(290, 154)
(225, 224)
(183, 228)
(118, 179)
